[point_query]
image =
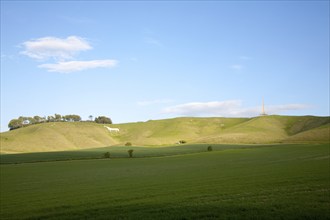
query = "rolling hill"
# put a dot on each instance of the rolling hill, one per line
(61, 136)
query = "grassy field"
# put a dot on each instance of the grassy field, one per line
(254, 182)
(63, 136)
(116, 152)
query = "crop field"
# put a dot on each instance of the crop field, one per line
(117, 152)
(231, 182)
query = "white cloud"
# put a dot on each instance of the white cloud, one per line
(55, 48)
(204, 108)
(230, 108)
(74, 66)
(63, 51)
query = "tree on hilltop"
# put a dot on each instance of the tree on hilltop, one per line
(103, 120)
(58, 117)
(50, 118)
(38, 119)
(15, 123)
(72, 118)
(26, 121)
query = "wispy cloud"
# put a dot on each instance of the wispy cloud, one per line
(153, 41)
(7, 57)
(236, 67)
(204, 108)
(230, 108)
(74, 66)
(245, 58)
(134, 59)
(273, 109)
(238, 64)
(153, 102)
(55, 48)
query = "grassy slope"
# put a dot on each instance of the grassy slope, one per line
(277, 182)
(170, 131)
(55, 137)
(296, 124)
(71, 136)
(319, 134)
(256, 130)
(274, 129)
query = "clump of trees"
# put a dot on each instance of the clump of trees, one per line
(209, 148)
(71, 118)
(128, 144)
(23, 121)
(103, 120)
(16, 123)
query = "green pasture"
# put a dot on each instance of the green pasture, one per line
(116, 152)
(254, 182)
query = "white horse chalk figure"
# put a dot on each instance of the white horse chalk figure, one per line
(112, 129)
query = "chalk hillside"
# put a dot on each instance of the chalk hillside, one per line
(59, 136)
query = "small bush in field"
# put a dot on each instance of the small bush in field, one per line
(130, 153)
(106, 155)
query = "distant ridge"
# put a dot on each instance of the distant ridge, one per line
(59, 136)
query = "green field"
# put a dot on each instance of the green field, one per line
(231, 182)
(116, 152)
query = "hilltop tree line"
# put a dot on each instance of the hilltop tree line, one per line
(23, 121)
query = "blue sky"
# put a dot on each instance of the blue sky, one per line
(140, 60)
